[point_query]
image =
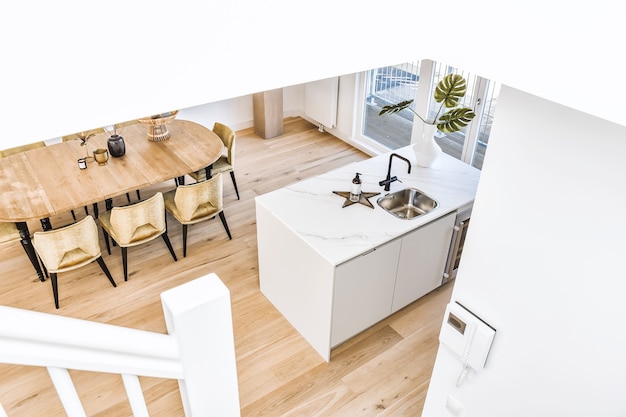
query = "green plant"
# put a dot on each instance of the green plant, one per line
(449, 91)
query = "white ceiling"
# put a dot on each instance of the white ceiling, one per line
(71, 65)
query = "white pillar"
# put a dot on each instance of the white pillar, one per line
(198, 315)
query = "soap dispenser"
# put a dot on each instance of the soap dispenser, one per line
(355, 189)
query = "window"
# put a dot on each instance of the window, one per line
(417, 81)
(384, 86)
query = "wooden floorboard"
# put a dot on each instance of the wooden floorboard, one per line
(383, 371)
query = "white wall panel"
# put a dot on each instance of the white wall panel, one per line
(320, 101)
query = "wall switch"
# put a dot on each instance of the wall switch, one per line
(453, 406)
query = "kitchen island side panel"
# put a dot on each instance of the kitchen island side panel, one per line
(295, 279)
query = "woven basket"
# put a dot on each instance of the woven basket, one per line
(157, 126)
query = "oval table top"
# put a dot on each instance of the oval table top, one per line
(43, 182)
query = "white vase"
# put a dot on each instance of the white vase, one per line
(426, 149)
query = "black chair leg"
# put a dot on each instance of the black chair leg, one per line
(73, 215)
(125, 262)
(104, 268)
(106, 241)
(86, 210)
(184, 240)
(128, 197)
(138, 195)
(169, 245)
(232, 177)
(55, 288)
(223, 219)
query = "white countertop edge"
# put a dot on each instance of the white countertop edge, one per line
(315, 213)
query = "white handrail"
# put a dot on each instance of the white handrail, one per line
(199, 351)
(41, 339)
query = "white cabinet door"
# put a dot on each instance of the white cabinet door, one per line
(422, 261)
(363, 291)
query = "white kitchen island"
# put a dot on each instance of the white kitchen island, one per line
(333, 271)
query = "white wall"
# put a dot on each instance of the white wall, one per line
(542, 265)
(238, 112)
(72, 65)
(348, 121)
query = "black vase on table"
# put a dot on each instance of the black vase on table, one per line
(116, 146)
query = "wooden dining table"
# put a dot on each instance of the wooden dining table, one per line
(40, 183)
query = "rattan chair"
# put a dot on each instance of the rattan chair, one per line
(134, 225)
(68, 248)
(194, 203)
(226, 163)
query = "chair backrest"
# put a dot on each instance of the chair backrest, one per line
(55, 247)
(22, 148)
(200, 199)
(139, 221)
(228, 136)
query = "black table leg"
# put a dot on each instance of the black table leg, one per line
(208, 171)
(27, 244)
(45, 224)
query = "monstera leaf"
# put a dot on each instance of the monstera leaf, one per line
(455, 119)
(395, 108)
(449, 91)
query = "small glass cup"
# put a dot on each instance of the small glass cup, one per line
(82, 163)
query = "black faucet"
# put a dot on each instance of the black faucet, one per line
(387, 181)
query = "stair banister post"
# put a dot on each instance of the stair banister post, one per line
(198, 315)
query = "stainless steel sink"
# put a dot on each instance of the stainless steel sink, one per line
(407, 203)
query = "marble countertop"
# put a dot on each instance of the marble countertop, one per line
(315, 213)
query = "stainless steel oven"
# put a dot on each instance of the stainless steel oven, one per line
(456, 245)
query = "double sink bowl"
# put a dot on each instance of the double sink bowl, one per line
(407, 203)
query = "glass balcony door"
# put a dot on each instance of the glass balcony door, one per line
(417, 81)
(470, 143)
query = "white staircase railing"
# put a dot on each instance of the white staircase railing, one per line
(198, 351)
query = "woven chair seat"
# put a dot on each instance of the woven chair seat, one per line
(74, 259)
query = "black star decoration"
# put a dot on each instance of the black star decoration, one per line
(363, 199)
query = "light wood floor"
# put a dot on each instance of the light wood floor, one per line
(381, 372)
